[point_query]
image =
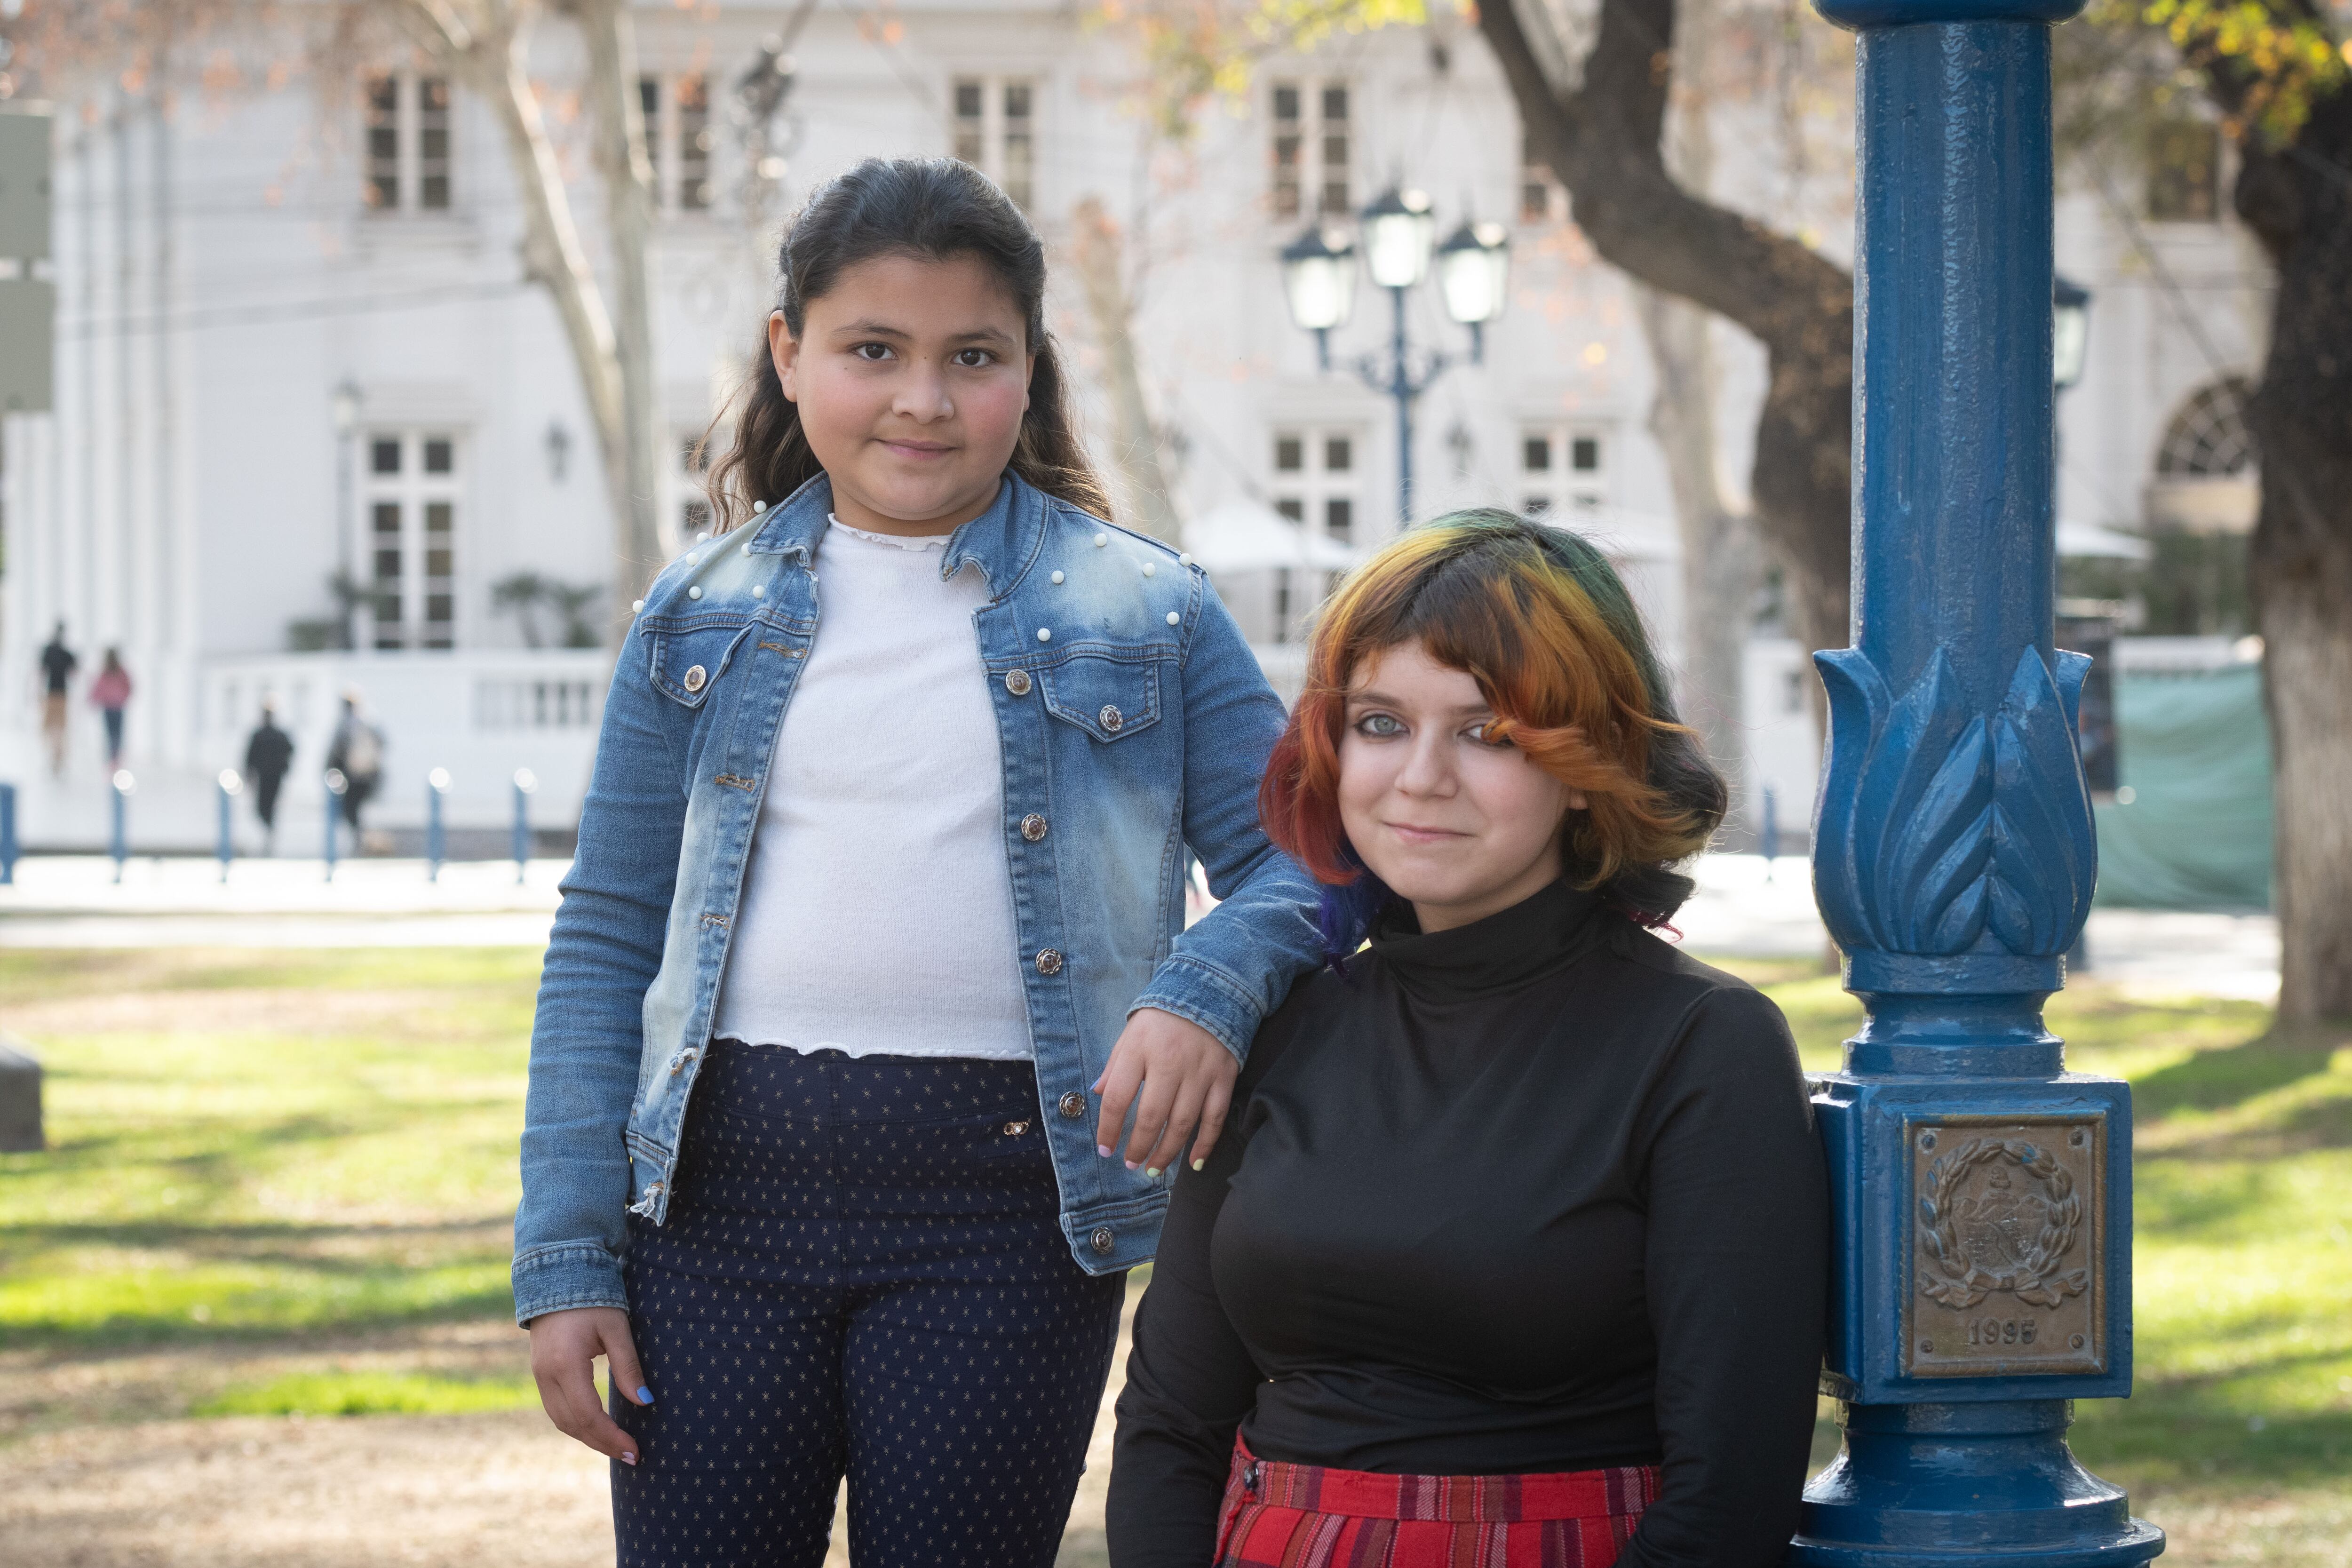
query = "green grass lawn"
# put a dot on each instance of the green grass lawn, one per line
(268, 1162)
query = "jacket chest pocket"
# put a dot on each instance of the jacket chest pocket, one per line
(1110, 698)
(687, 657)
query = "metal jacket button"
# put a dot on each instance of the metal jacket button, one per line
(1102, 1241)
(695, 678)
(1014, 1129)
(1048, 962)
(1016, 681)
(1033, 827)
(1072, 1105)
(1112, 719)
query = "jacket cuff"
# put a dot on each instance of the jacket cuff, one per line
(563, 1275)
(1200, 992)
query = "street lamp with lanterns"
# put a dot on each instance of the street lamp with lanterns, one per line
(1398, 230)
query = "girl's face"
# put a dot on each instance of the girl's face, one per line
(911, 376)
(1461, 825)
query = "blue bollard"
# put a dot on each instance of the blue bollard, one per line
(336, 785)
(525, 781)
(436, 843)
(7, 833)
(226, 850)
(1980, 1196)
(119, 830)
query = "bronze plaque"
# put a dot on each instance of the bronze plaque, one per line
(2008, 1232)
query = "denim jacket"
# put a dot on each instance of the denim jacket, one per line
(1134, 724)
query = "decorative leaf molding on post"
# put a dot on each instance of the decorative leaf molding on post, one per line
(1944, 831)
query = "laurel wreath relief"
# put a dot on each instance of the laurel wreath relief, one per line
(1957, 1282)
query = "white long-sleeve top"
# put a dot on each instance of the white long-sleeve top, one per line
(876, 914)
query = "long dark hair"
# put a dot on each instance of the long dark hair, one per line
(934, 209)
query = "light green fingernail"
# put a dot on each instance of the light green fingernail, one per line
(1152, 1172)
(1198, 1163)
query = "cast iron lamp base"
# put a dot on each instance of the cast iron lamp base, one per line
(1964, 1486)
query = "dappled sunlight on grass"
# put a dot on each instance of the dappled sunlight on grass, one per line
(371, 1394)
(328, 1142)
(2242, 1233)
(282, 1184)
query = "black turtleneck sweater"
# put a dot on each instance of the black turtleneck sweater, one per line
(1538, 1194)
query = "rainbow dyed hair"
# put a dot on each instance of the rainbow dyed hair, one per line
(1543, 623)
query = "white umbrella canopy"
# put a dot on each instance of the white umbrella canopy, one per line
(2078, 541)
(1242, 535)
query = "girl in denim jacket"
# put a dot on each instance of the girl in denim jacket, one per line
(870, 1030)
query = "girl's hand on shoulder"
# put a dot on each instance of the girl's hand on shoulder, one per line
(1179, 1077)
(564, 1349)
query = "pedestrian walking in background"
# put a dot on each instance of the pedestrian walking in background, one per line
(57, 667)
(111, 694)
(268, 753)
(356, 752)
(877, 888)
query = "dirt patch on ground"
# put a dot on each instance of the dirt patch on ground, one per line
(48, 1391)
(91, 1486)
(263, 1492)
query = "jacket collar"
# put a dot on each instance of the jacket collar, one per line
(1001, 541)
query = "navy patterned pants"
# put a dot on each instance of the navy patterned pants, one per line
(861, 1272)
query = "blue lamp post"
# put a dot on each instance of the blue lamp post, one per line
(1318, 282)
(1982, 1196)
(118, 835)
(525, 782)
(336, 784)
(437, 841)
(224, 841)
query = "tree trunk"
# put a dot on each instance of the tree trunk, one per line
(616, 368)
(638, 547)
(1095, 249)
(2298, 202)
(1722, 559)
(1602, 140)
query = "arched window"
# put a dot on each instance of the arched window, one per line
(2208, 439)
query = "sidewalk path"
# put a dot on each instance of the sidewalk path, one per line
(73, 901)
(1744, 908)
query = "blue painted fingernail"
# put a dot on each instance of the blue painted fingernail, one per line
(645, 1394)
(1104, 1149)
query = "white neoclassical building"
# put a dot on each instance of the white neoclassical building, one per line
(294, 342)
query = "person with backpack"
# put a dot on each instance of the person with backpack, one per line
(357, 754)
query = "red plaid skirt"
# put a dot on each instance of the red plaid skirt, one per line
(1304, 1516)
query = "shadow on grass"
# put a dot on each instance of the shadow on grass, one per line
(2176, 1434)
(142, 1283)
(171, 1325)
(2218, 1079)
